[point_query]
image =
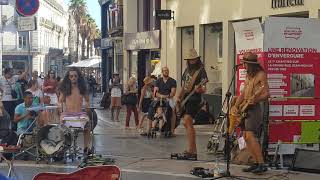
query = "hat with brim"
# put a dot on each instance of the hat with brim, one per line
(191, 55)
(148, 80)
(250, 58)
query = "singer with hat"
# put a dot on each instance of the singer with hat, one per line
(247, 107)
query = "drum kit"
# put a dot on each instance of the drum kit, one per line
(58, 141)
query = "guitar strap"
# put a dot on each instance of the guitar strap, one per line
(193, 80)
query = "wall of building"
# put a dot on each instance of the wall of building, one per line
(200, 12)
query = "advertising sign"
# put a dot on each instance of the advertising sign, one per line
(249, 37)
(292, 62)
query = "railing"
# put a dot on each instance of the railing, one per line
(15, 48)
(115, 21)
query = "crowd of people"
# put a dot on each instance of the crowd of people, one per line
(158, 103)
(20, 93)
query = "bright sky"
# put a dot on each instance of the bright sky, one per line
(93, 9)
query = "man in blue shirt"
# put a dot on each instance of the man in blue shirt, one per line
(22, 116)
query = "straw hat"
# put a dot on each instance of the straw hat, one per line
(249, 57)
(148, 80)
(192, 54)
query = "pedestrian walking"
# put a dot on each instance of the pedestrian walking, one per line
(145, 101)
(116, 92)
(36, 92)
(131, 101)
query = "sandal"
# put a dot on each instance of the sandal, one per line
(184, 156)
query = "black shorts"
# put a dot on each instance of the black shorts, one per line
(253, 122)
(146, 102)
(192, 106)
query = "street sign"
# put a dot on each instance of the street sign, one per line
(4, 2)
(26, 23)
(164, 14)
(106, 43)
(27, 7)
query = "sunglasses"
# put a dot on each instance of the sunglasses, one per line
(71, 76)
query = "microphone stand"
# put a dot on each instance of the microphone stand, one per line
(227, 146)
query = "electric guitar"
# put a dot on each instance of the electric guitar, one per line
(243, 108)
(181, 105)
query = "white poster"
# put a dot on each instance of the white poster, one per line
(248, 37)
(307, 110)
(291, 110)
(275, 110)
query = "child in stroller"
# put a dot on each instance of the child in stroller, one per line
(161, 119)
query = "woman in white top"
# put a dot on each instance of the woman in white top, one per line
(145, 100)
(115, 86)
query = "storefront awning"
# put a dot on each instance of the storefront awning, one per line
(92, 62)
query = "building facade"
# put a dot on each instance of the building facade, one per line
(141, 39)
(206, 25)
(112, 39)
(49, 42)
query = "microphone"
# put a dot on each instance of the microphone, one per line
(237, 65)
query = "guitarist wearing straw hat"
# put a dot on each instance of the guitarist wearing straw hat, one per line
(247, 108)
(193, 83)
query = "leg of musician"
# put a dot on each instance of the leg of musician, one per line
(191, 134)
(254, 146)
(252, 126)
(86, 139)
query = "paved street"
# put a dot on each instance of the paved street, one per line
(142, 158)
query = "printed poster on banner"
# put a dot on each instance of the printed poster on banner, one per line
(249, 37)
(292, 62)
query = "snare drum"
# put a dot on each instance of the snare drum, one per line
(75, 120)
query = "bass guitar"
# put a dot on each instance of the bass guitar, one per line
(180, 106)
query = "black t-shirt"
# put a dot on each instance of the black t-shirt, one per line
(187, 77)
(165, 87)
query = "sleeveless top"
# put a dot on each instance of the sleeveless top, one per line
(148, 93)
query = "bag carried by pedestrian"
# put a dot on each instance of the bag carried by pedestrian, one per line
(129, 99)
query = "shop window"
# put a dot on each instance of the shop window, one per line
(212, 56)
(22, 41)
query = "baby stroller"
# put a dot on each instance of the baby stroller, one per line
(163, 120)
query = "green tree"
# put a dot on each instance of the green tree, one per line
(78, 10)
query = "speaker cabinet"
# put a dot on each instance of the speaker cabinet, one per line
(306, 161)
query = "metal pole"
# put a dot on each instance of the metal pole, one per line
(29, 69)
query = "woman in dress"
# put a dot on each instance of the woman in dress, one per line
(132, 100)
(145, 101)
(50, 87)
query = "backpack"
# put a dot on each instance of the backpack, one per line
(8, 137)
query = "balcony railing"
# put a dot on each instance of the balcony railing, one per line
(14, 48)
(115, 19)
